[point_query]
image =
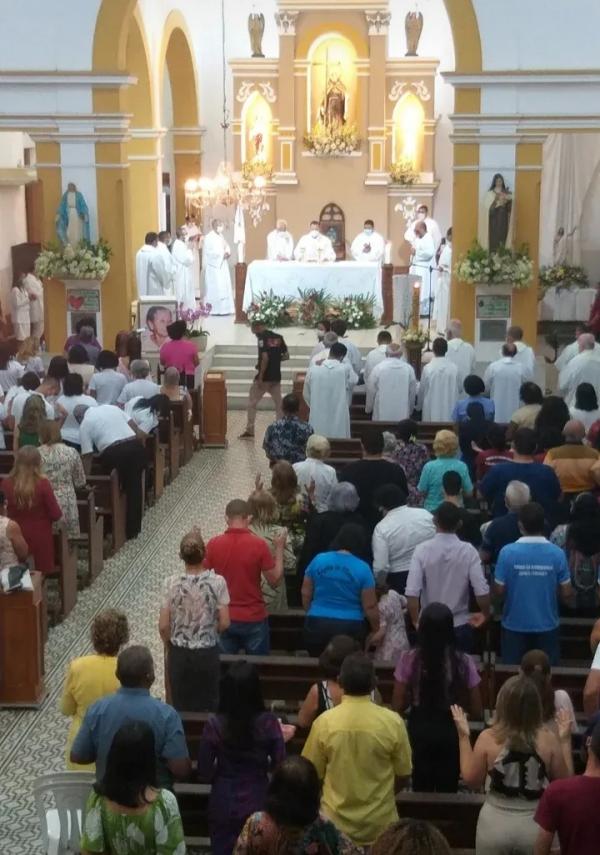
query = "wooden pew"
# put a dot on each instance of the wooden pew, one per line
(170, 437)
(111, 505)
(426, 431)
(91, 525)
(572, 680)
(196, 396)
(345, 448)
(156, 466)
(183, 424)
(65, 570)
(286, 631)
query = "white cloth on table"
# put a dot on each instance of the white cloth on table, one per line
(108, 385)
(143, 417)
(314, 248)
(368, 247)
(280, 246)
(328, 392)
(183, 265)
(21, 399)
(441, 307)
(70, 427)
(462, 354)
(503, 379)
(322, 474)
(164, 270)
(583, 368)
(391, 390)
(343, 279)
(102, 426)
(145, 388)
(148, 282)
(438, 390)
(217, 276)
(373, 358)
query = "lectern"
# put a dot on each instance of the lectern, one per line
(22, 647)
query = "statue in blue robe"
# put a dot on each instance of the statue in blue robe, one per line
(72, 217)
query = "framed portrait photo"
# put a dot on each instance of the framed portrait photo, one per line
(154, 314)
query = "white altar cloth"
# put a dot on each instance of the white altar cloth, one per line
(566, 304)
(339, 279)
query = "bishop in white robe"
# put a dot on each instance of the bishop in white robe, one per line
(503, 379)
(369, 245)
(583, 368)
(314, 247)
(280, 243)
(328, 391)
(439, 387)
(391, 388)
(183, 261)
(163, 265)
(460, 352)
(217, 276)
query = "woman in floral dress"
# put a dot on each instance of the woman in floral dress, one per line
(62, 466)
(411, 456)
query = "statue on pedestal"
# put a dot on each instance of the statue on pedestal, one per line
(256, 29)
(72, 217)
(332, 112)
(413, 25)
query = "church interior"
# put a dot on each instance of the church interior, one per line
(427, 169)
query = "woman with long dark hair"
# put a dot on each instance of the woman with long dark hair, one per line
(126, 812)
(146, 412)
(549, 423)
(240, 746)
(429, 680)
(586, 405)
(580, 540)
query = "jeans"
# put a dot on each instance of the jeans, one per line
(516, 644)
(465, 637)
(251, 636)
(318, 632)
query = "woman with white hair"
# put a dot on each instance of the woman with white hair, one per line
(315, 470)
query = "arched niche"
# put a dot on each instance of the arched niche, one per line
(257, 130)
(333, 224)
(332, 71)
(409, 131)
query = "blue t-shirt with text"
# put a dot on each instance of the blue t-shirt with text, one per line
(338, 581)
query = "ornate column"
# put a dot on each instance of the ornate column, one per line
(285, 160)
(378, 24)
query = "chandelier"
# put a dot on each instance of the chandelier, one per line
(227, 187)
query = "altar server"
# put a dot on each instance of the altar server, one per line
(183, 263)
(460, 352)
(421, 263)
(432, 227)
(572, 350)
(442, 297)
(392, 388)
(193, 239)
(525, 355)
(583, 368)
(369, 245)
(280, 243)
(217, 276)
(328, 391)
(314, 246)
(148, 283)
(378, 354)
(440, 386)
(163, 265)
(503, 379)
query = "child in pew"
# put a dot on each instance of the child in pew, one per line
(327, 694)
(391, 639)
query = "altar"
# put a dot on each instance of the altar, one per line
(340, 279)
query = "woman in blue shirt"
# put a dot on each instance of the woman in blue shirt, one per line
(445, 447)
(338, 592)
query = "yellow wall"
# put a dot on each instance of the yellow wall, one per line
(527, 229)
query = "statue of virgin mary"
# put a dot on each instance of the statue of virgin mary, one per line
(72, 217)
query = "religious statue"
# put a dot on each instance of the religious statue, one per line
(72, 217)
(256, 28)
(257, 134)
(332, 112)
(413, 25)
(561, 246)
(496, 214)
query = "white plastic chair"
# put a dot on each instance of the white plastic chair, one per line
(61, 825)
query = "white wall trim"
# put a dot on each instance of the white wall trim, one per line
(518, 78)
(500, 168)
(66, 78)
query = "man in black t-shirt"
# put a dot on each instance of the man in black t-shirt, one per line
(272, 351)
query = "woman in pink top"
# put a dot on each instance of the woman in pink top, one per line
(180, 353)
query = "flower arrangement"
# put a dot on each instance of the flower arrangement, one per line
(84, 261)
(357, 311)
(502, 267)
(403, 172)
(415, 336)
(332, 142)
(313, 306)
(271, 310)
(252, 169)
(563, 276)
(193, 319)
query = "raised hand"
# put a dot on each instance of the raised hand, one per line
(564, 724)
(460, 720)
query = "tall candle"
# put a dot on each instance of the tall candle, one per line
(416, 304)
(387, 257)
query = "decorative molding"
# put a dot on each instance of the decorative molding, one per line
(332, 5)
(378, 22)
(421, 90)
(504, 170)
(248, 86)
(244, 91)
(536, 77)
(419, 87)
(104, 80)
(509, 128)
(285, 178)
(268, 91)
(286, 22)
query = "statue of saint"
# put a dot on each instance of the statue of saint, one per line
(257, 134)
(72, 217)
(495, 228)
(332, 112)
(256, 29)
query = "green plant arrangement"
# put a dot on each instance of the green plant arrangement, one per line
(356, 311)
(84, 261)
(504, 266)
(271, 310)
(252, 169)
(332, 142)
(313, 306)
(563, 276)
(403, 172)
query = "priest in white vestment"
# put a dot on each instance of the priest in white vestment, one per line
(280, 243)
(503, 379)
(378, 354)
(217, 276)
(392, 388)
(35, 292)
(148, 283)
(193, 239)
(439, 387)
(421, 263)
(432, 227)
(183, 260)
(328, 392)
(369, 245)
(163, 265)
(460, 352)
(314, 247)
(583, 368)
(441, 306)
(525, 354)
(572, 350)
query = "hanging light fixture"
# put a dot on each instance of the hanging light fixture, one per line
(227, 187)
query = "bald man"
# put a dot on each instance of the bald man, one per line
(583, 368)
(577, 466)
(280, 243)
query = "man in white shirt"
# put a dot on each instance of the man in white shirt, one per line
(217, 275)
(148, 282)
(503, 379)
(107, 383)
(395, 538)
(440, 385)
(140, 385)
(369, 245)
(377, 355)
(460, 352)
(183, 265)
(525, 354)
(392, 388)
(572, 350)
(432, 227)
(108, 430)
(340, 327)
(21, 398)
(583, 368)
(35, 291)
(162, 264)
(314, 247)
(328, 392)
(280, 243)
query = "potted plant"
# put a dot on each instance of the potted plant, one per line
(193, 321)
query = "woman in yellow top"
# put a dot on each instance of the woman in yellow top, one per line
(90, 678)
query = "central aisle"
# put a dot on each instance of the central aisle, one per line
(32, 742)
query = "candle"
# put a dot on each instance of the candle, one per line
(416, 303)
(240, 252)
(387, 258)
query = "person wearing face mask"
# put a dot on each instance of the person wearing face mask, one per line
(314, 246)
(432, 227)
(369, 245)
(217, 275)
(280, 243)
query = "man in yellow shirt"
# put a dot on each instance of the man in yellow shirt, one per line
(359, 749)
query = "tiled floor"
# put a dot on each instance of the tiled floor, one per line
(32, 742)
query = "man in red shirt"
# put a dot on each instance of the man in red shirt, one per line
(569, 807)
(241, 557)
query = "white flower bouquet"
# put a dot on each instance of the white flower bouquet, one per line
(414, 336)
(501, 267)
(563, 276)
(332, 142)
(403, 172)
(85, 261)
